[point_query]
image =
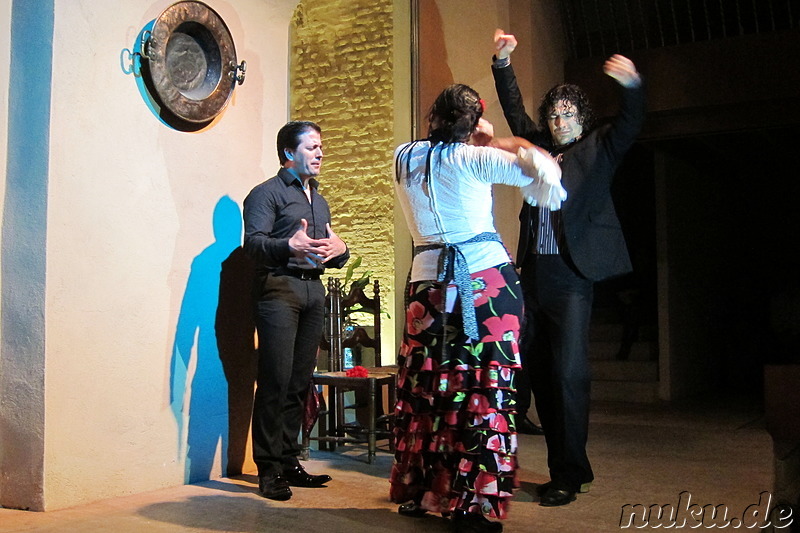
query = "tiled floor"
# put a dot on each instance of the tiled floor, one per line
(713, 452)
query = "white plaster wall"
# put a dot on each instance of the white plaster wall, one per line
(130, 207)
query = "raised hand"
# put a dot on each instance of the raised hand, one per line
(504, 43)
(483, 134)
(623, 70)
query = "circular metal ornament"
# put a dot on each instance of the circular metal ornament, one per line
(190, 59)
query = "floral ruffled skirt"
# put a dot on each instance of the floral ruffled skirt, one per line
(454, 429)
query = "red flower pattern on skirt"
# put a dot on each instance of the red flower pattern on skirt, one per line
(498, 423)
(418, 318)
(488, 285)
(435, 299)
(479, 405)
(501, 328)
(486, 483)
(454, 439)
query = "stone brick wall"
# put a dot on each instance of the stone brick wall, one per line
(341, 78)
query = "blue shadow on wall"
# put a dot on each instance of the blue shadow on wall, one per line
(216, 318)
(23, 255)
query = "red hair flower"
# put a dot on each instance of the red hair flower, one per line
(483, 105)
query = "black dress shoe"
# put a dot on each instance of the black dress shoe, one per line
(524, 425)
(463, 522)
(556, 497)
(274, 487)
(541, 489)
(411, 509)
(298, 477)
(544, 487)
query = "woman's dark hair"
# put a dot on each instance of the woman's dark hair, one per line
(451, 119)
(454, 114)
(572, 94)
(289, 136)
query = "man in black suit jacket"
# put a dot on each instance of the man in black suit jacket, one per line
(562, 253)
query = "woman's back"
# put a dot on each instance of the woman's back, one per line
(445, 191)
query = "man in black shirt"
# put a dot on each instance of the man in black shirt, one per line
(562, 253)
(288, 234)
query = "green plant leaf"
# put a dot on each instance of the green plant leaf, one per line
(362, 281)
(350, 269)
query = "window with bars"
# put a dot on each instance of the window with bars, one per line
(602, 27)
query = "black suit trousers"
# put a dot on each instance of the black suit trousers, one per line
(290, 315)
(555, 353)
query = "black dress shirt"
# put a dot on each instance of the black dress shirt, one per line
(272, 213)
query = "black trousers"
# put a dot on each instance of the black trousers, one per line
(555, 354)
(290, 315)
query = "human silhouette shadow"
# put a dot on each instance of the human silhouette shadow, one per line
(216, 397)
(235, 327)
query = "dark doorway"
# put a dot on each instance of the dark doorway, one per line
(730, 218)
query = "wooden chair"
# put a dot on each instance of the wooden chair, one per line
(332, 429)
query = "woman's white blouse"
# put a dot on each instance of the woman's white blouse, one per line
(455, 202)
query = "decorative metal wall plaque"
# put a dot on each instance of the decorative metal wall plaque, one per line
(187, 61)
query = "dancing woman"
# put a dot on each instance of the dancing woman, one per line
(455, 433)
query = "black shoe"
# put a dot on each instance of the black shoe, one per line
(556, 497)
(411, 509)
(298, 477)
(463, 522)
(274, 487)
(524, 425)
(543, 488)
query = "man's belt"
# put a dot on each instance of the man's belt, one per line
(299, 273)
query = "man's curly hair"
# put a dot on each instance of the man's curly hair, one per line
(572, 94)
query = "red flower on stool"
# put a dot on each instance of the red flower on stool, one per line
(357, 372)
